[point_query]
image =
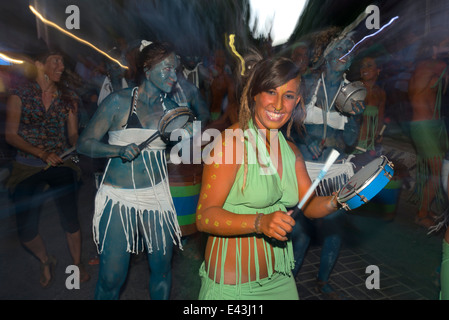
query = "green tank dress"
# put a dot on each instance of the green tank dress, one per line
(264, 192)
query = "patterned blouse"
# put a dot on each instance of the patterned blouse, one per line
(43, 129)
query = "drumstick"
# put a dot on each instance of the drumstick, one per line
(65, 153)
(386, 122)
(144, 144)
(153, 137)
(382, 130)
(329, 162)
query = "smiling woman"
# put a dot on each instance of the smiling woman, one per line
(248, 252)
(277, 105)
(42, 124)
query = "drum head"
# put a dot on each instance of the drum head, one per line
(175, 119)
(362, 178)
(352, 91)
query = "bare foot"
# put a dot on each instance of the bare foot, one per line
(84, 276)
(47, 268)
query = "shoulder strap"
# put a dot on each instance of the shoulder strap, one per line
(132, 106)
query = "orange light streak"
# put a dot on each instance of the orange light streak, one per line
(54, 25)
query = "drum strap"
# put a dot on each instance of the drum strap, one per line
(328, 106)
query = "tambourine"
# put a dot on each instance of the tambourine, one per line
(352, 91)
(175, 119)
(171, 120)
(366, 183)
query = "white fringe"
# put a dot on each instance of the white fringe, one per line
(153, 201)
(337, 175)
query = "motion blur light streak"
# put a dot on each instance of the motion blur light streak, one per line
(231, 44)
(369, 36)
(8, 59)
(54, 25)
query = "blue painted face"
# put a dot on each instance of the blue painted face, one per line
(163, 75)
(339, 50)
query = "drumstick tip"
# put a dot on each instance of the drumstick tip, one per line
(331, 159)
(334, 154)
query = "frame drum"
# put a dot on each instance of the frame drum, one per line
(352, 91)
(366, 183)
(174, 119)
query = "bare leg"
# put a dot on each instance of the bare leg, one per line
(37, 247)
(425, 216)
(74, 243)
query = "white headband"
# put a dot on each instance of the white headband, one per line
(144, 44)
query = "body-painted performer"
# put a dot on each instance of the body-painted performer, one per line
(133, 205)
(253, 175)
(427, 129)
(42, 123)
(326, 129)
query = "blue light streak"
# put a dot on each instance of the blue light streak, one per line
(369, 36)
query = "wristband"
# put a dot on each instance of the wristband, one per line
(257, 223)
(336, 207)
